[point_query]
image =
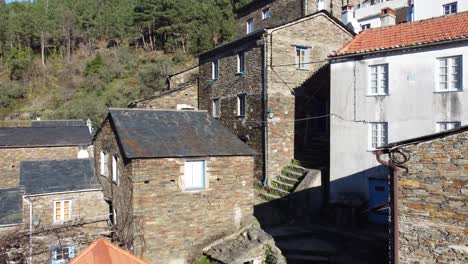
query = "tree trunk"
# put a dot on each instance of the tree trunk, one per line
(43, 48)
(68, 45)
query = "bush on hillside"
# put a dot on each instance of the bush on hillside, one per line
(9, 93)
(94, 66)
(18, 60)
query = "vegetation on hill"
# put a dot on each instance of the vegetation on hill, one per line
(76, 58)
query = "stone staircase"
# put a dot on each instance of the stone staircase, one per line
(284, 184)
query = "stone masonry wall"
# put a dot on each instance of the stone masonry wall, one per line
(89, 221)
(322, 36)
(11, 158)
(433, 202)
(178, 224)
(185, 95)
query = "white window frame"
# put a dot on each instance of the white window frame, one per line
(62, 211)
(204, 178)
(71, 253)
(241, 98)
(216, 107)
(449, 74)
(449, 7)
(215, 70)
(447, 125)
(241, 63)
(104, 164)
(266, 13)
(302, 57)
(380, 137)
(250, 26)
(115, 169)
(381, 78)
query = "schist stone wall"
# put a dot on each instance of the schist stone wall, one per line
(185, 96)
(168, 224)
(178, 224)
(11, 158)
(433, 202)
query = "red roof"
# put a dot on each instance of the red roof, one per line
(102, 251)
(446, 28)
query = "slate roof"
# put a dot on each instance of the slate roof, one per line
(58, 123)
(102, 251)
(414, 34)
(167, 133)
(11, 137)
(52, 176)
(11, 206)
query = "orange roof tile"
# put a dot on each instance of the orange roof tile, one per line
(102, 251)
(446, 28)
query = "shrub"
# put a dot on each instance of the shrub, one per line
(10, 93)
(203, 260)
(18, 61)
(153, 76)
(95, 65)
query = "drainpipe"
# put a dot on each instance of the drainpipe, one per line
(28, 201)
(265, 109)
(394, 212)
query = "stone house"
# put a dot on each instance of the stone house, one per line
(44, 141)
(254, 84)
(429, 197)
(176, 181)
(393, 83)
(60, 203)
(181, 93)
(260, 14)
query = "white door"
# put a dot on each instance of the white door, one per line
(194, 175)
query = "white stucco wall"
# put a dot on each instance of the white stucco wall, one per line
(411, 109)
(424, 9)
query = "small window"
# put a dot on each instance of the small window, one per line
(62, 254)
(115, 169)
(450, 8)
(378, 80)
(241, 63)
(378, 134)
(241, 105)
(250, 26)
(194, 175)
(365, 26)
(215, 70)
(104, 166)
(450, 74)
(302, 58)
(216, 107)
(444, 126)
(62, 211)
(266, 13)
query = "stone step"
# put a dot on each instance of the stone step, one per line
(268, 196)
(277, 191)
(287, 179)
(292, 173)
(282, 185)
(303, 259)
(297, 168)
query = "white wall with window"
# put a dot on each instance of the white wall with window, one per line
(302, 57)
(424, 9)
(241, 103)
(62, 211)
(378, 134)
(424, 87)
(444, 126)
(194, 175)
(216, 107)
(115, 169)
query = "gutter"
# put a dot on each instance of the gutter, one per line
(394, 173)
(265, 109)
(28, 201)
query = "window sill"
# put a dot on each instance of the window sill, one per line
(241, 74)
(377, 95)
(448, 91)
(193, 191)
(240, 116)
(300, 69)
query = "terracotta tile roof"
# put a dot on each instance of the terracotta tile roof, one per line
(446, 28)
(102, 251)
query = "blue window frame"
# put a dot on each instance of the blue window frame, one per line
(62, 254)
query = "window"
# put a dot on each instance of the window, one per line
(62, 211)
(115, 169)
(450, 8)
(266, 13)
(241, 62)
(61, 254)
(450, 74)
(302, 58)
(194, 175)
(241, 105)
(250, 26)
(104, 166)
(365, 26)
(320, 5)
(215, 70)
(444, 126)
(378, 80)
(378, 134)
(216, 108)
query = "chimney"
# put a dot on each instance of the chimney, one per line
(347, 14)
(387, 17)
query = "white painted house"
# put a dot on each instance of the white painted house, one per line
(390, 84)
(424, 9)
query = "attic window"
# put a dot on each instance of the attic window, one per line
(450, 8)
(266, 13)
